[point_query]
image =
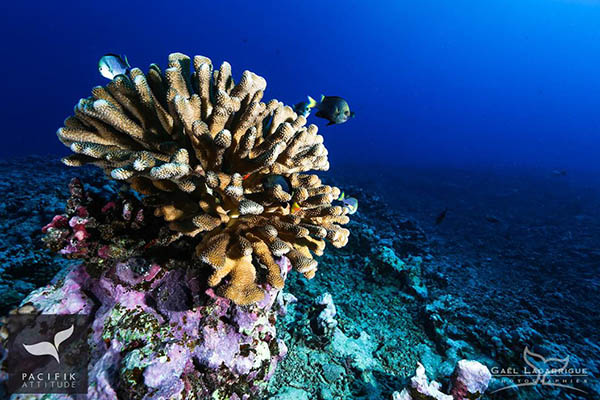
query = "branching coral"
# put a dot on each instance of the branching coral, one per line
(204, 150)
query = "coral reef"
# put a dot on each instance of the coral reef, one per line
(476, 309)
(217, 164)
(105, 233)
(158, 330)
(378, 337)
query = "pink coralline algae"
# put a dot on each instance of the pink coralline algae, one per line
(156, 335)
(58, 222)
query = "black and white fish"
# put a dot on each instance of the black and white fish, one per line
(111, 65)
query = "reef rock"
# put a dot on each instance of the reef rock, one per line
(322, 317)
(359, 351)
(158, 334)
(421, 389)
(409, 270)
(470, 380)
(292, 394)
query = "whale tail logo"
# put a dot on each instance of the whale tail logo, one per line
(534, 360)
(47, 348)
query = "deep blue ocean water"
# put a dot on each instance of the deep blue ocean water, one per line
(464, 82)
(486, 109)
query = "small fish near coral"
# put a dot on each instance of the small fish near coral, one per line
(332, 108)
(303, 108)
(111, 65)
(350, 204)
(271, 181)
(295, 209)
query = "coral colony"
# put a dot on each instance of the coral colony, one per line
(199, 147)
(183, 283)
(182, 276)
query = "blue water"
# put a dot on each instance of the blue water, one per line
(467, 83)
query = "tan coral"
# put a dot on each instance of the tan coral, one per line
(199, 147)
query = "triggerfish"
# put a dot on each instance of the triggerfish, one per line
(111, 65)
(333, 108)
(349, 203)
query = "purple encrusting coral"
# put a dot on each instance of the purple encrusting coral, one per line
(158, 332)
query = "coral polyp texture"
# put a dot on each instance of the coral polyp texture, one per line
(218, 164)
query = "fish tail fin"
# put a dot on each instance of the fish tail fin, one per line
(341, 196)
(312, 103)
(295, 208)
(126, 61)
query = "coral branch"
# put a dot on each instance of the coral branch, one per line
(202, 149)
